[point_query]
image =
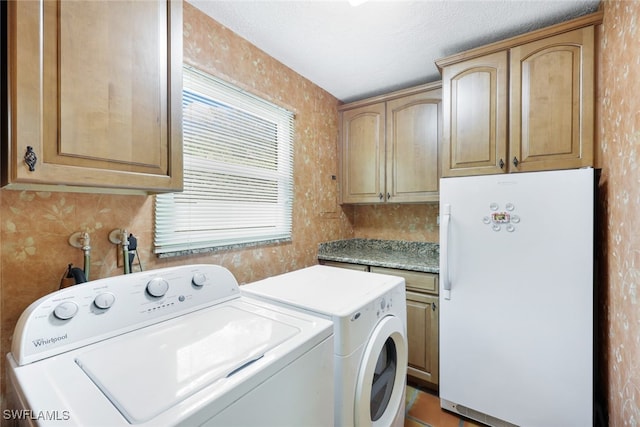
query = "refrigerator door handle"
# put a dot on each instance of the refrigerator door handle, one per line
(444, 251)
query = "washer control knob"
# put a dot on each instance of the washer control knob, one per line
(199, 279)
(157, 287)
(104, 300)
(65, 310)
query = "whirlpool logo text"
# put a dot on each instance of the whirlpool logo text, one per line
(47, 341)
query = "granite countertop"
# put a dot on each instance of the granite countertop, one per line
(416, 256)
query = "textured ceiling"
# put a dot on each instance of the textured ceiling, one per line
(380, 46)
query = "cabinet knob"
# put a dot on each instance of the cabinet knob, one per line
(515, 162)
(30, 158)
(501, 164)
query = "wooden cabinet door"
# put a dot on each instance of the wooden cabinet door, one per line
(413, 136)
(363, 154)
(422, 336)
(552, 102)
(97, 93)
(475, 116)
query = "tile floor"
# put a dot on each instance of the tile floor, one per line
(423, 409)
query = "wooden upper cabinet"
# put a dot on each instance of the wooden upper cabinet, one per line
(522, 104)
(390, 147)
(413, 138)
(552, 94)
(475, 116)
(96, 92)
(363, 154)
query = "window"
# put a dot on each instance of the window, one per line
(238, 171)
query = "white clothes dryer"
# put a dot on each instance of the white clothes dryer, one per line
(368, 311)
(168, 347)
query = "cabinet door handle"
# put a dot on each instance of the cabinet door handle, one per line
(380, 196)
(388, 196)
(501, 164)
(30, 158)
(515, 162)
(433, 306)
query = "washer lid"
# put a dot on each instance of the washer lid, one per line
(326, 290)
(145, 372)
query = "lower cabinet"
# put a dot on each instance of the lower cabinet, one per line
(422, 319)
(422, 331)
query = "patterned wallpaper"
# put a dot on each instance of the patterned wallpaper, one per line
(618, 106)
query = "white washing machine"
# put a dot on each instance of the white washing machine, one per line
(174, 346)
(369, 315)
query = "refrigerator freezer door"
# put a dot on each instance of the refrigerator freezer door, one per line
(516, 334)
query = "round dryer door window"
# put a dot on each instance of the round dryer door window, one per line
(381, 379)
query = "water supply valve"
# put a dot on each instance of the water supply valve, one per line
(81, 240)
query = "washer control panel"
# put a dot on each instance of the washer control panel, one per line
(361, 323)
(96, 310)
(384, 305)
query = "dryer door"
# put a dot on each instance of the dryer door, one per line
(381, 378)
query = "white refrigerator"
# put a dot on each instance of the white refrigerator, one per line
(516, 298)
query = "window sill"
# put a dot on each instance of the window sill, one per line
(224, 248)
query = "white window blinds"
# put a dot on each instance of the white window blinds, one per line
(238, 170)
